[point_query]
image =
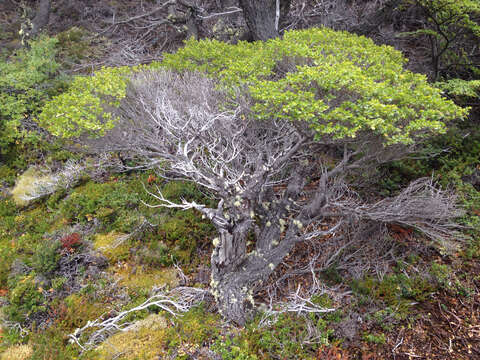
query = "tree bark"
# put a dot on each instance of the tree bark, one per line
(233, 284)
(228, 284)
(263, 18)
(42, 17)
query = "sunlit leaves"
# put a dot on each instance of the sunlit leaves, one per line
(338, 83)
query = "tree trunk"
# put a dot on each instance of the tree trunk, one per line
(232, 295)
(263, 18)
(235, 273)
(228, 285)
(41, 18)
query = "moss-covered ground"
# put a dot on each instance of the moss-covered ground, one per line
(424, 302)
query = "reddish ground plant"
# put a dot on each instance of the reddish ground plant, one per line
(71, 241)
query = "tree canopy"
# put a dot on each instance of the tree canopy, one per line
(341, 84)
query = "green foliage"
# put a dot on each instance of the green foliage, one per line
(284, 338)
(378, 339)
(58, 282)
(340, 84)
(7, 175)
(26, 298)
(50, 344)
(106, 202)
(461, 89)
(46, 257)
(196, 327)
(76, 310)
(84, 108)
(442, 274)
(394, 288)
(452, 29)
(390, 316)
(25, 85)
(74, 45)
(8, 213)
(228, 349)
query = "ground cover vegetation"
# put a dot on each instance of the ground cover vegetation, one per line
(313, 195)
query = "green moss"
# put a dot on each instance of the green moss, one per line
(141, 279)
(107, 244)
(136, 343)
(195, 327)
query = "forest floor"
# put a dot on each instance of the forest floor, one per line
(397, 297)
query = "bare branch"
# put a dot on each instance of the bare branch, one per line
(175, 302)
(422, 206)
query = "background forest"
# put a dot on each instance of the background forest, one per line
(92, 267)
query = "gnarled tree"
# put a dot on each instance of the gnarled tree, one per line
(274, 130)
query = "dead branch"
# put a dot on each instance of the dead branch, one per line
(174, 302)
(297, 304)
(422, 206)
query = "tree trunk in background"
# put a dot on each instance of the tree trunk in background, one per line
(262, 18)
(42, 17)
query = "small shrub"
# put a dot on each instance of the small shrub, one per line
(51, 344)
(284, 339)
(26, 298)
(228, 349)
(58, 282)
(379, 339)
(45, 260)
(7, 175)
(71, 242)
(25, 85)
(393, 288)
(78, 310)
(442, 274)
